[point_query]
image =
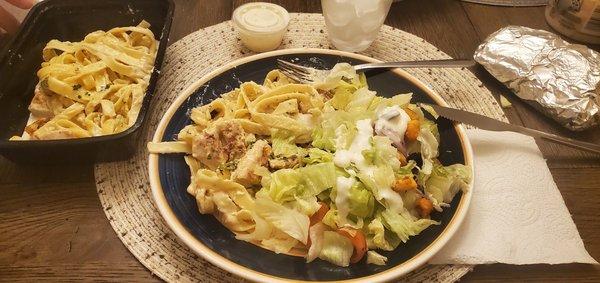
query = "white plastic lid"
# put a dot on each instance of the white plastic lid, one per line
(261, 17)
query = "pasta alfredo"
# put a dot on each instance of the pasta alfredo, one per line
(93, 87)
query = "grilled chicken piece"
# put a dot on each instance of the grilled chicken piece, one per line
(223, 142)
(255, 159)
(40, 104)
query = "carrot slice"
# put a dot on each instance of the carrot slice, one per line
(318, 216)
(358, 241)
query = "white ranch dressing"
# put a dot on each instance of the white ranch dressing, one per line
(392, 199)
(261, 18)
(353, 155)
(361, 142)
(392, 122)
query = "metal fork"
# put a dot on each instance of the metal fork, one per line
(309, 75)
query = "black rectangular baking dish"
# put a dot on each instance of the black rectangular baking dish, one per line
(71, 20)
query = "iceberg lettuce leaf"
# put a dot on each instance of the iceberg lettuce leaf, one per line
(316, 241)
(318, 177)
(336, 130)
(400, 99)
(289, 221)
(342, 74)
(378, 238)
(429, 139)
(379, 182)
(262, 230)
(316, 155)
(383, 153)
(360, 100)
(375, 258)
(445, 181)
(286, 184)
(361, 201)
(279, 242)
(342, 95)
(330, 217)
(404, 225)
(336, 249)
(406, 170)
(306, 205)
(282, 145)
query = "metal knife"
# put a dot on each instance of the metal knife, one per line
(490, 124)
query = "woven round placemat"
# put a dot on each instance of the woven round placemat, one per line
(123, 187)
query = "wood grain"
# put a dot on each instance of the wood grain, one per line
(58, 230)
(456, 36)
(53, 228)
(193, 15)
(130, 271)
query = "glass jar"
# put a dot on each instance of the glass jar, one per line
(577, 19)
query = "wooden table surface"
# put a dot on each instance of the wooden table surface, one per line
(52, 225)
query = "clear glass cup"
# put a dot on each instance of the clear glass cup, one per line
(352, 25)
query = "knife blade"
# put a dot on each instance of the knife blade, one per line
(487, 123)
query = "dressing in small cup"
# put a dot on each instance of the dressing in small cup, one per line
(261, 26)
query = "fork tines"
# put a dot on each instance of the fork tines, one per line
(296, 72)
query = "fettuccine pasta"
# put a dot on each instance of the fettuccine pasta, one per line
(93, 87)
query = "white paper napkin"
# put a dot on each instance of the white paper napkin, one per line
(517, 214)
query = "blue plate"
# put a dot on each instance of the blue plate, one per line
(205, 235)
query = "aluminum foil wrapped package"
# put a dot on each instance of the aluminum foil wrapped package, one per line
(558, 78)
